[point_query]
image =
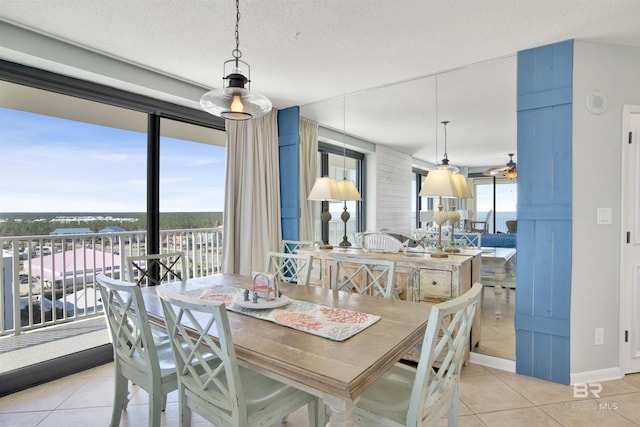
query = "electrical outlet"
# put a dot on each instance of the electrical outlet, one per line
(599, 336)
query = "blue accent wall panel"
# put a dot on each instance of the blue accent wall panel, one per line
(289, 159)
(543, 303)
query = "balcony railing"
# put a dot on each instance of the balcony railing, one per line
(48, 280)
(336, 231)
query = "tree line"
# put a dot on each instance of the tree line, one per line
(35, 224)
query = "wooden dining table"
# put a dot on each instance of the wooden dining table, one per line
(338, 372)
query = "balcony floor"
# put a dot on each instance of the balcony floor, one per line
(51, 342)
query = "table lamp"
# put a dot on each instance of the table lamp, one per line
(348, 192)
(454, 216)
(439, 182)
(325, 190)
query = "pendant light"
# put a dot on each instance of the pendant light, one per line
(234, 101)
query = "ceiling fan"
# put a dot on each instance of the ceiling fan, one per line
(509, 170)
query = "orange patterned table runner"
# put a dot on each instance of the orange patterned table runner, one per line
(333, 323)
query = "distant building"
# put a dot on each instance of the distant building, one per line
(65, 231)
(112, 229)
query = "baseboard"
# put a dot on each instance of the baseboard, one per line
(493, 362)
(590, 377)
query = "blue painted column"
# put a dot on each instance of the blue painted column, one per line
(289, 158)
(543, 302)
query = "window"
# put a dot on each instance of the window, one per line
(75, 146)
(418, 202)
(499, 195)
(340, 163)
(192, 168)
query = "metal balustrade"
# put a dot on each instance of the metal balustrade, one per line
(48, 280)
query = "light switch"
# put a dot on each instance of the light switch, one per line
(604, 216)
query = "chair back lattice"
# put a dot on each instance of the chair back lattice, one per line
(363, 276)
(291, 246)
(153, 270)
(443, 350)
(290, 267)
(217, 385)
(133, 343)
(472, 240)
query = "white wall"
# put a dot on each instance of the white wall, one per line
(390, 188)
(614, 71)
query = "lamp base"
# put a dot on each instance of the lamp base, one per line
(439, 254)
(345, 218)
(439, 218)
(452, 250)
(325, 217)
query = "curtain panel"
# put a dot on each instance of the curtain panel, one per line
(308, 171)
(252, 194)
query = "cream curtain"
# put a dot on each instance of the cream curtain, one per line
(252, 194)
(309, 211)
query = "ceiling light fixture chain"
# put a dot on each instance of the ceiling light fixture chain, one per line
(237, 53)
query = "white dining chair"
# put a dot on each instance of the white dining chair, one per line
(290, 267)
(473, 240)
(170, 267)
(226, 394)
(408, 396)
(291, 246)
(137, 357)
(363, 276)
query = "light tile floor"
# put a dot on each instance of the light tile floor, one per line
(488, 397)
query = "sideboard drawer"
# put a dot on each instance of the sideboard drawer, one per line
(435, 285)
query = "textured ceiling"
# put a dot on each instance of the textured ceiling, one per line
(383, 55)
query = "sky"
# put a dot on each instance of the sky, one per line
(506, 197)
(49, 164)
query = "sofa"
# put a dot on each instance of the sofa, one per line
(499, 240)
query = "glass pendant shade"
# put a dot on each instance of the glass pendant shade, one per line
(234, 101)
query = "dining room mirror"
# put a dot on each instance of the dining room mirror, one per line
(479, 102)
